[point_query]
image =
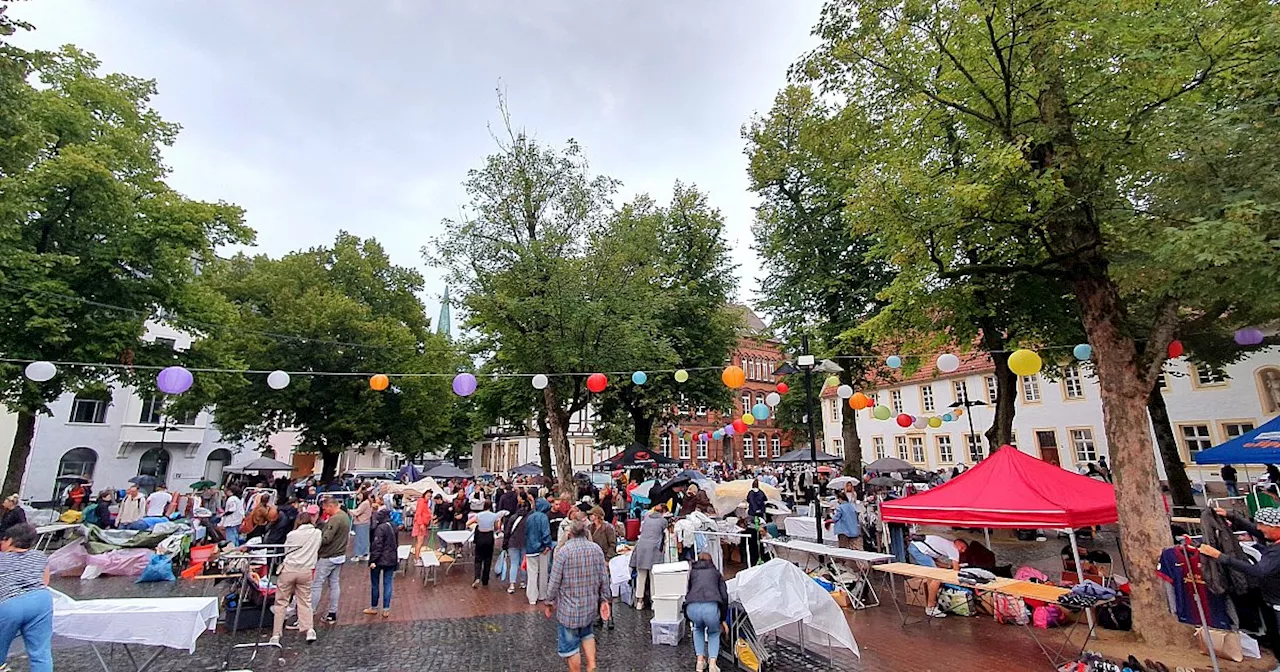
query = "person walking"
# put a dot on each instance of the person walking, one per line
(604, 535)
(845, 523)
(577, 592)
(513, 541)
(537, 551)
(484, 523)
(648, 551)
(26, 605)
(333, 554)
(302, 546)
(1231, 480)
(232, 516)
(360, 520)
(707, 607)
(132, 507)
(383, 562)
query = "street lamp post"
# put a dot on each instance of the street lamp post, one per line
(807, 365)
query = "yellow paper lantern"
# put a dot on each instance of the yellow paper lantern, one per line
(935, 421)
(1024, 362)
(733, 377)
(832, 381)
(379, 382)
(748, 419)
(682, 376)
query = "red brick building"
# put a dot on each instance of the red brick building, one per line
(759, 356)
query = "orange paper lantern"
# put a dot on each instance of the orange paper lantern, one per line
(733, 377)
(379, 382)
(859, 401)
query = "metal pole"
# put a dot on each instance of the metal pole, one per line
(1075, 554)
(1195, 591)
(986, 532)
(968, 411)
(813, 446)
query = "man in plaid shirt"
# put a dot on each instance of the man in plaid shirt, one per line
(579, 590)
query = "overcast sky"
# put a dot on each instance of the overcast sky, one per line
(317, 116)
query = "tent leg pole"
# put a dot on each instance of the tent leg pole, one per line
(986, 532)
(1075, 554)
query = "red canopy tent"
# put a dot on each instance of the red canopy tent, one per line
(1010, 489)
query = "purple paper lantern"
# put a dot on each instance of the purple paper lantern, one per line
(174, 380)
(464, 384)
(728, 429)
(1249, 336)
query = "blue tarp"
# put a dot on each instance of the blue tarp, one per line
(1261, 446)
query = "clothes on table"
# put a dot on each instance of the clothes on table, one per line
(1217, 532)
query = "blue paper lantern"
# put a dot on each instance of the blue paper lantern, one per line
(760, 411)
(639, 378)
(718, 434)
(1083, 351)
(894, 362)
(946, 417)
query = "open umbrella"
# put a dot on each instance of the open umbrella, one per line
(886, 464)
(266, 464)
(76, 478)
(447, 470)
(726, 497)
(201, 485)
(644, 489)
(838, 482)
(144, 481)
(885, 482)
(667, 490)
(408, 471)
(527, 469)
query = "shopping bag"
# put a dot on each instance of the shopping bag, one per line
(159, 568)
(501, 569)
(1010, 609)
(1225, 644)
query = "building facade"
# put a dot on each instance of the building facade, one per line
(509, 445)
(1059, 421)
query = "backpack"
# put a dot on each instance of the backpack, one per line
(1117, 616)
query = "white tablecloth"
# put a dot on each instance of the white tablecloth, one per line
(455, 536)
(173, 622)
(799, 526)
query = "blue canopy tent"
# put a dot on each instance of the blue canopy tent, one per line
(1261, 446)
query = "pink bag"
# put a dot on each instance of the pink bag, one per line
(1028, 573)
(1010, 609)
(122, 562)
(1048, 616)
(70, 560)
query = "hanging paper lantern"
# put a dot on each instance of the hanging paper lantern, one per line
(378, 382)
(1025, 362)
(277, 380)
(540, 381)
(740, 425)
(733, 377)
(946, 417)
(174, 380)
(732, 429)
(41, 371)
(1249, 336)
(831, 381)
(682, 376)
(859, 401)
(893, 362)
(761, 411)
(935, 421)
(920, 423)
(773, 399)
(464, 384)
(748, 419)
(957, 412)
(881, 412)
(718, 434)
(844, 391)
(782, 388)
(1175, 349)
(948, 363)
(639, 378)
(904, 420)
(596, 382)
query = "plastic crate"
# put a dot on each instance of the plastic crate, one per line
(667, 609)
(668, 632)
(670, 579)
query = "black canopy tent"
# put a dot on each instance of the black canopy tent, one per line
(527, 469)
(805, 455)
(637, 456)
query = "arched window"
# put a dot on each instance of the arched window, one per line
(154, 462)
(78, 462)
(217, 461)
(1269, 389)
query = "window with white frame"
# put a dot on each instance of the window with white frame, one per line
(900, 442)
(976, 452)
(759, 398)
(1235, 429)
(89, 410)
(992, 390)
(1031, 389)
(746, 403)
(958, 390)
(775, 446)
(945, 454)
(1082, 444)
(702, 449)
(684, 448)
(1207, 376)
(1072, 383)
(666, 445)
(1196, 438)
(702, 410)
(837, 446)
(878, 443)
(748, 446)
(926, 398)
(896, 397)
(152, 408)
(835, 410)
(917, 449)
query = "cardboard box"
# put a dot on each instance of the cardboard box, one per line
(916, 593)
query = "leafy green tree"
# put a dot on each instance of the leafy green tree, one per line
(87, 222)
(1063, 137)
(344, 308)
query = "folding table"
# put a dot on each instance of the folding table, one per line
(862, 562)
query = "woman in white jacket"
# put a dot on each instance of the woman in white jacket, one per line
(302, 547)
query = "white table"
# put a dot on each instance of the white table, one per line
(801, 526)
(460, 542)
(48, 532)
(860, 566)
(163, 622)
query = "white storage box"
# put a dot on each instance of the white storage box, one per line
(668, 632)
(670, 579)
(623, 591)
(668, 609)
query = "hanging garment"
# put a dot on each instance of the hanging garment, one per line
(1218, 578)
(1174, 569)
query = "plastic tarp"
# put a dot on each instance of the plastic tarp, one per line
(1261, 446)
(726, 497)
(98, 540)
(1010, 489)
(172, 622)
(418, 488)
(778, 596)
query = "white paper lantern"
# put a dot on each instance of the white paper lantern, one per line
(540, 382)
(948, 363)
(773, 399)
(844, 391)
(920, 423)
(277, 380)
(41, 371)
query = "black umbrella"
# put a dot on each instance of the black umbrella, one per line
(73, 477)
(884, 482)
(667, 490)
(447, 470)
(144, 481)
(527, 469)
(886, 464)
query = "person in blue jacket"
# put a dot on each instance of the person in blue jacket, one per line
(537, 551)
(845, 523)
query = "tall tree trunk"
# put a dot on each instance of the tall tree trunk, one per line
(1174, 470)
(1144, 526)
(328, 465)
(643, 426)
(544, 446)
(849, 432)
(26, 431)
(558, 430)
(1001, 431)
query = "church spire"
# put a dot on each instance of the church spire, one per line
(444, 325)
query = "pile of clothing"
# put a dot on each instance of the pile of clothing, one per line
(973, 576)
(1085, 595)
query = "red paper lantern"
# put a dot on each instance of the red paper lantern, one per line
(596, 382)
(739, 426)
(1175, 349)
(905, 420)
(782, 388)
